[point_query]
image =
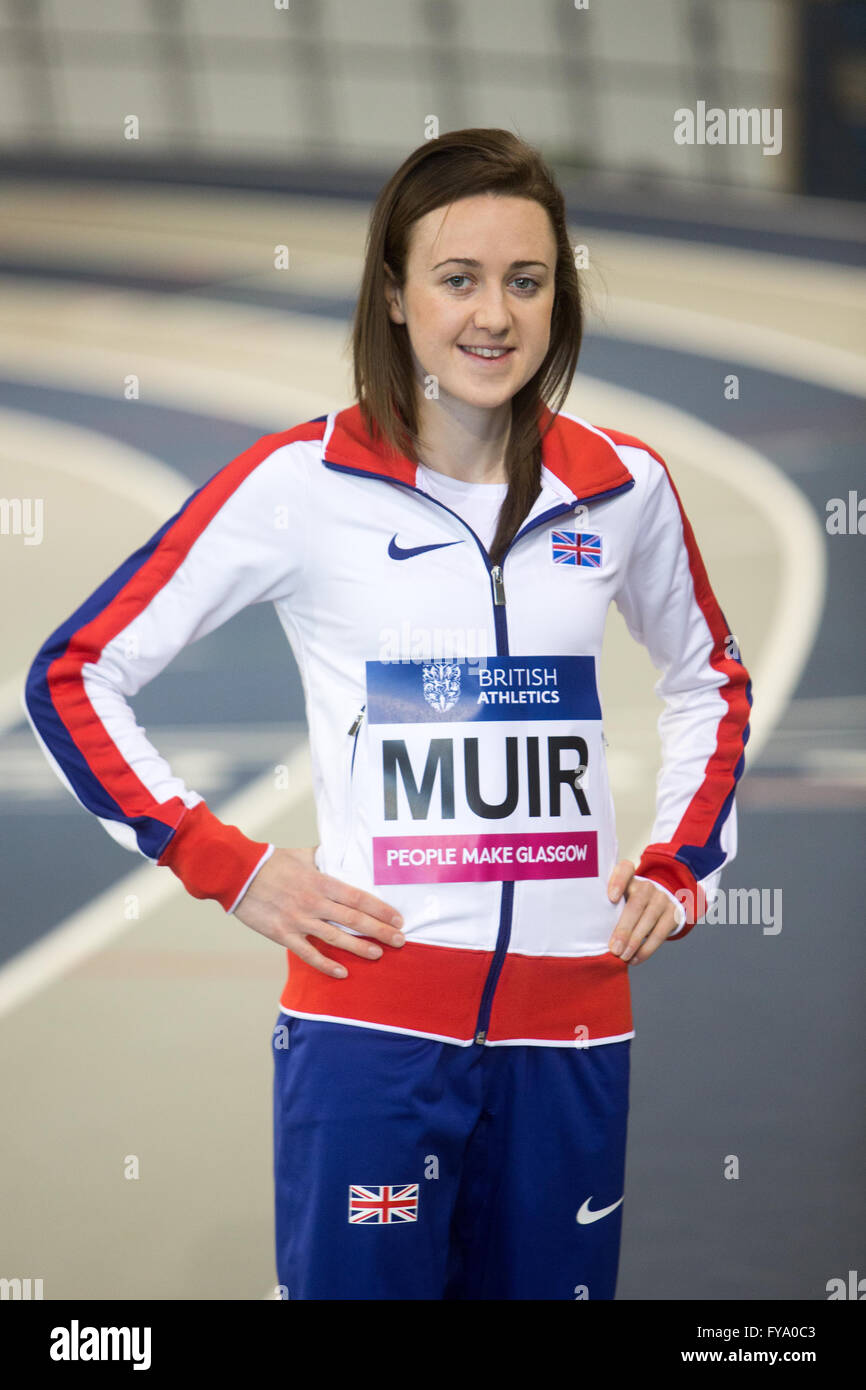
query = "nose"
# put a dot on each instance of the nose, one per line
(491, 311)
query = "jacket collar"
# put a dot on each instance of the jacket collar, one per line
(580, 457)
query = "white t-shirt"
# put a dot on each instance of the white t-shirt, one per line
(477, 503)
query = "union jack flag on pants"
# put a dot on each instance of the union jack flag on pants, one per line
(519, 1153)
(370, 1206)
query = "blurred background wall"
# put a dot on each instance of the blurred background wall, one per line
(341, 81)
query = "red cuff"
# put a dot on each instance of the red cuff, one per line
(212, 860)
(672, 874)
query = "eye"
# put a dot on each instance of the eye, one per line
(531, 285)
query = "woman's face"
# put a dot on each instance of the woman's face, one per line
(479, 274)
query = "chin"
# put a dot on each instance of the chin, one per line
(492, 394)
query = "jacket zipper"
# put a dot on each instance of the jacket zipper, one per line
(350, 771)
(506, 908)
(506, 905)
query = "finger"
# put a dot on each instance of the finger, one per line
(358, 945)
(642, 928)
(357, 897)
(660, 933)
(353, 907)
(362, 924)
(302, 948)
(619, 878)
(629, 917)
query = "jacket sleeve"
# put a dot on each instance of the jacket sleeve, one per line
(669, 606)
(236, 541)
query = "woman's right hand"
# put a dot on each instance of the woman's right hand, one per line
(289, 901)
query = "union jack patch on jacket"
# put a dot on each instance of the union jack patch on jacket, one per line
(373, 1206)
(576, 548)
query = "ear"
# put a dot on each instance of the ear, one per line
(393, 296)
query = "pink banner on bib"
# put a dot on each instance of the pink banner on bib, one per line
(474, 858)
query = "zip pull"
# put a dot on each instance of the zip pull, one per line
(356, 722)
(498, 585)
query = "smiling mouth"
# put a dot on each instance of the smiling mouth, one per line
(485, 354)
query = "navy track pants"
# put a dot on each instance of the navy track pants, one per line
(406, 1168)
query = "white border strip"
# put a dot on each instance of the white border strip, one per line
(95, 460)
(102, 921)
(790, 520)
(711, 335)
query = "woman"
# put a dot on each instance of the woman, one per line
(441, 555)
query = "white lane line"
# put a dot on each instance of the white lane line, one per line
(207, 757)
(286, 366)
(101, 921)
(95, 460)
(159, 490)
(159, 228)
(788, 516)
(711, 335)
(694, 267)
(756, 209)
(234, 361)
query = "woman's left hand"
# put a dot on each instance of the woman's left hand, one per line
(648, 917)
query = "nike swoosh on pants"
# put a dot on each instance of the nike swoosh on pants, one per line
(585, 1216)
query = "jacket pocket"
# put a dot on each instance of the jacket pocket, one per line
(348, 783)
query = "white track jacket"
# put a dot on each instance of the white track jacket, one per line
(455, 729)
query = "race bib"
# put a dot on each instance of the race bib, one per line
(484, 770)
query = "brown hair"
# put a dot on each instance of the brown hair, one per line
(457, 165)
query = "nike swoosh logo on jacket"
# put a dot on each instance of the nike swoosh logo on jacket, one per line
(397, 553)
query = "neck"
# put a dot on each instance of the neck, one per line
(463, 441)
